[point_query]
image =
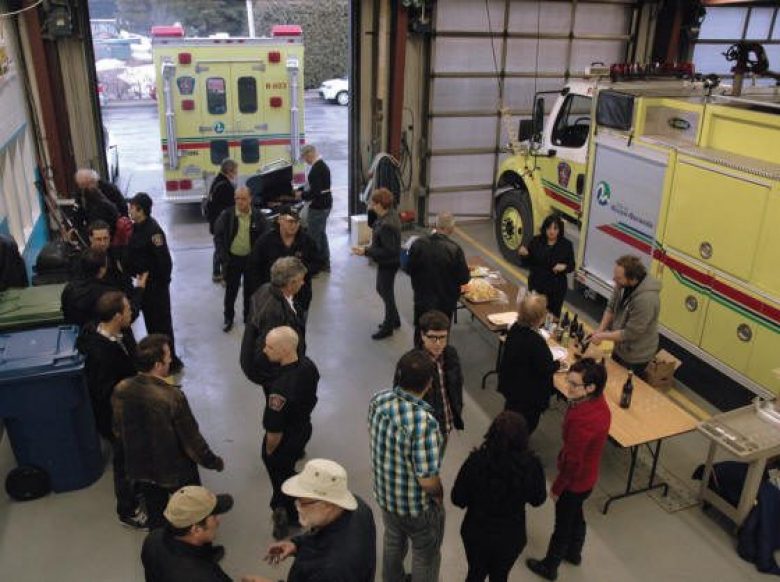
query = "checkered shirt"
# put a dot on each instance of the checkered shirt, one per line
(405, 444)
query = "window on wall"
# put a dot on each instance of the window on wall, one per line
(725, 25)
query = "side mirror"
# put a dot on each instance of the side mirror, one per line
(538, 118)
(526, 130)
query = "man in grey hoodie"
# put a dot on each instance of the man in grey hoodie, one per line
(631, 317)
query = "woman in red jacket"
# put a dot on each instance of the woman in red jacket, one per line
(585, 431)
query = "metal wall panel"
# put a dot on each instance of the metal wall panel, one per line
(474, 78)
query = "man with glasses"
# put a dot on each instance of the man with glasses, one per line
(446, 393)
(585, 431)
(340, 541)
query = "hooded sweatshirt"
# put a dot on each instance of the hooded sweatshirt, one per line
(637, 316)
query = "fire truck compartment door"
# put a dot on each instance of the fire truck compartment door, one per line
(625, 200)
(715, 215)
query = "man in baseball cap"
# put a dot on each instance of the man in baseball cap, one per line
(183, 550)
(340, 543)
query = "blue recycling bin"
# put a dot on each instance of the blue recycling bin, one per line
(46, 407)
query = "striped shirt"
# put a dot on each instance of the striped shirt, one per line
(405, 444)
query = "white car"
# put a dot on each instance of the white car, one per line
(335, 90)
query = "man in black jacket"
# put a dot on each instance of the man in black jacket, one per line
(109, 351)
(183, 550)
(79, 297)
(438, 269)
(236, 230)
(86, 179)
(220, 197)
(286, 239)
(446, 393)
(317, 192)
(148, 251)
(272, 306)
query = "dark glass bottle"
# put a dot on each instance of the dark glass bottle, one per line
(628, 391)
(574, 326)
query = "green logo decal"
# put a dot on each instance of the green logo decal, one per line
(219, 127)
(603, 193)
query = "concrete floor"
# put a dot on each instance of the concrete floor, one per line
(75, 536)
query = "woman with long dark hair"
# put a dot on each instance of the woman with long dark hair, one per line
(494, 485)
(549, 258)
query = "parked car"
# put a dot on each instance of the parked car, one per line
(335, 91)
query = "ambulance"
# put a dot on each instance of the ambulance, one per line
(686, 176)
(227, 97)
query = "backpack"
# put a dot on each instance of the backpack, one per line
(123, 230)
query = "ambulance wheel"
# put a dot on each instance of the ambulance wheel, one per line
(342, 98)
(514, 223)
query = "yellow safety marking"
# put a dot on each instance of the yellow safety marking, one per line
(490, 254)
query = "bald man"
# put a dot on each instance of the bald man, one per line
(437, 267)
(235, 233)
(290, 400)
(89, 179)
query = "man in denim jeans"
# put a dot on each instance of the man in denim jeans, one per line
(405, 457)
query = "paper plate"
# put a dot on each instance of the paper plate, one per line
(559, 353)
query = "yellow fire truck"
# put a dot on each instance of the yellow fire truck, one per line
(218, 98)
(684, 175)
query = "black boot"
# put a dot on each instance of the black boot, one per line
(382, 333)
(547, 568)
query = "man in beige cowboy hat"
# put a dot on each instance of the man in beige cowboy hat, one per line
(340, 541)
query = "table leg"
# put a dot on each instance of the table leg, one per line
(497, 366)
(630, 481)
(705, 478)
(750, 489)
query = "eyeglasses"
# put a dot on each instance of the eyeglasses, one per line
(439, 339)
(576, 384)
(306, 502)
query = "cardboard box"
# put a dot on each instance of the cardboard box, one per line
(359, 233)
(660, 372)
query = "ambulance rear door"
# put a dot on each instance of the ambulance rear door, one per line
(249, 124)
(216, 100)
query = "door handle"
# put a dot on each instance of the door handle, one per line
(705, 250)
(691, 303)
(744, 333)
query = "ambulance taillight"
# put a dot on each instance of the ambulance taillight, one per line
(175, 31)
(280, 30)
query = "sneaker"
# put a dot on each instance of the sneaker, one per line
(137, 521)
(281, 523)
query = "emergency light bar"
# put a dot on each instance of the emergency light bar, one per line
(174, 31)
(286, 30)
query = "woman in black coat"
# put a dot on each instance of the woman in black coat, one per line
(385, 250)
(549, 258)
(493, 485)
(527, 366)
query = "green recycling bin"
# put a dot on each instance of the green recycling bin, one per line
(31, 307)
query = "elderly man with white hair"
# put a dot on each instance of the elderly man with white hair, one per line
(87, 179)
(290, 400)
(340, 544)
(438, 269)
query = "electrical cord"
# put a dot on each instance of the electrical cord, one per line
(16, 12)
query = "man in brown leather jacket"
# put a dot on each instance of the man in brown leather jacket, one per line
(159, 434)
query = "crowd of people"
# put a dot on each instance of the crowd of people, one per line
(158, 447)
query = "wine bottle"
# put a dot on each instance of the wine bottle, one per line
(565, 321)
(628, 391)
(574, 326)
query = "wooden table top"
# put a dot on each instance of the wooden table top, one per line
(651, 416)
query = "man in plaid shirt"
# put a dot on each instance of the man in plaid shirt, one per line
(405, 457)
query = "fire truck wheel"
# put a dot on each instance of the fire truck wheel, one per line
(514, 223)
(342, 98)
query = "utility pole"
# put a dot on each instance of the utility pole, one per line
(250, 17)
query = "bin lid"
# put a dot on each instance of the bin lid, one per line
(31, 307)
(37, 352)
